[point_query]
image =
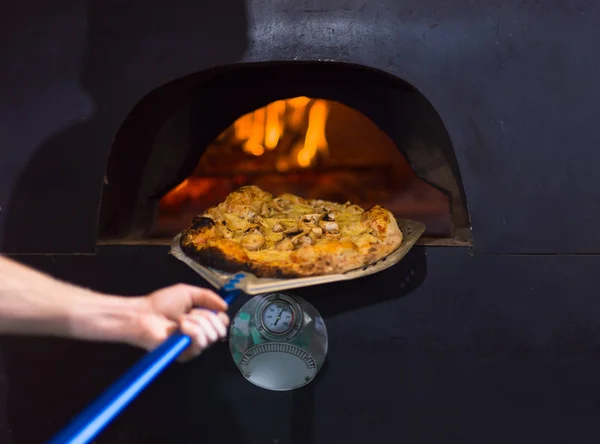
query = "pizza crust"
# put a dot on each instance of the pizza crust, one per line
(288, 236)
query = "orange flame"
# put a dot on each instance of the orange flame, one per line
(315, 134)
(262, 129)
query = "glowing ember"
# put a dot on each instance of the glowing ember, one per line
(193, 188)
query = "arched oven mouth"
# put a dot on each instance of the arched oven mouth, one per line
(327, 131)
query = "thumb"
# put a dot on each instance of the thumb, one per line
(205, 298)
(155, 331)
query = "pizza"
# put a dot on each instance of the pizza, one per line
(288, 236)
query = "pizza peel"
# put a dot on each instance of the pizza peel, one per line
(100, 413)
(253, 285)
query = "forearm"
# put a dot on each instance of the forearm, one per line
(34, 303)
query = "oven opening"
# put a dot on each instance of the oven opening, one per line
(311, 147)
(321, 131)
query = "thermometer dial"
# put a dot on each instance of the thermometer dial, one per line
(278, 317)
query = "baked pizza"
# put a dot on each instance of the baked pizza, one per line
(288, 236)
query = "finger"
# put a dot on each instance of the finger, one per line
(209, 328)
(198, 337)
(150, 332)
(218, 324)
(205, 298)
(196, 332)
(203, 319)
(224, 318)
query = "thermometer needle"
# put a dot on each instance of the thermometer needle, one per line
(278, 317)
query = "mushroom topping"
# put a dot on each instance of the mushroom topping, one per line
(284, 244)
(317, 231)
(253, 241)
(226, 232)
(278, 227)
(333, 234)
(330, 227)
(329, 217)
(291, 232)
(252, 229)
(280, 204)
(302, 240)
(247, 214)
(266, 210)
(275, 207)
(308, 221)
(256, 219)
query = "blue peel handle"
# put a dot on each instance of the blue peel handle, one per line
(105, 408)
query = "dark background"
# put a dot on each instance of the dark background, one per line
(496, 343)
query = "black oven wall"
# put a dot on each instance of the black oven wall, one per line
(487, 348)
(515, 88)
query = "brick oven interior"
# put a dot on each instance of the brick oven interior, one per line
(478, 118)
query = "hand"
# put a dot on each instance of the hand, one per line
(188, 308)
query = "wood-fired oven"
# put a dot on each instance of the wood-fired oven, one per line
(287, 127)
(121, 120)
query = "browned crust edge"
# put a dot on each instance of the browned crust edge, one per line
(215, 258)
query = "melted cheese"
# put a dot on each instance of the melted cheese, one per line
(250, 210)
(235, 222)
